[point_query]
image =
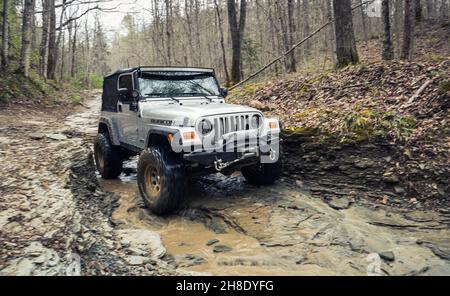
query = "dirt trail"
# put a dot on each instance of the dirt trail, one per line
(226, 226)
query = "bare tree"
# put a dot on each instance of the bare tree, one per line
(52, 49)
(306, 26)
(237, 34)
(292, 29)
(5, 35)
(364, 21)
(44, 38)
(24, 63)
(418, 10)
(169, 30)
(345, 38)
(74, 50)
(408, 31)
(222, 41)
(388, 51)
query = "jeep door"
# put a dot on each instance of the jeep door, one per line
(126, 113)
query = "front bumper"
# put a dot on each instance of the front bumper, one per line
(236, 157)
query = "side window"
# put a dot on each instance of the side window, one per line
(126, 81)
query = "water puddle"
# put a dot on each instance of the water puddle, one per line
(195, 240)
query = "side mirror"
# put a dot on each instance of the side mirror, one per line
(136, 94)
(124, 94)
(224, 92)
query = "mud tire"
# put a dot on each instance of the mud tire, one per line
(108, 158)
(263, 173)
(161, 179)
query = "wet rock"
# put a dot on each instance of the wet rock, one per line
(399, 190)
(136, 260)
(57, 137)
(221, 249)
(340, 203)
(299, 183)
(390, 177)
(212, 242)
(19, 267)
(439, 251)
(37, 136)
(363, 163)
(387, 255)
(188, 260)
(142, 242)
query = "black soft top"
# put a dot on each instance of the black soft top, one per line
(161, 69)
(110, 83)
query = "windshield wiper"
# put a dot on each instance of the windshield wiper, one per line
(197, 94)
(161, 94)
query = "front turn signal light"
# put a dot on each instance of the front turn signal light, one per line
(273, 125)
(189, 135)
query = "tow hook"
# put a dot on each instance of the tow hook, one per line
(273, 155)
(219, 165)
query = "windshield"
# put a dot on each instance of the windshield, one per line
(153, 84)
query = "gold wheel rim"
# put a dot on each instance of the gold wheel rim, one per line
(152, 180)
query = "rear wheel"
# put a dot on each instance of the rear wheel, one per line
(161, 179)
(108, 158)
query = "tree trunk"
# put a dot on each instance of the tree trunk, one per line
(169, 30)
(398, 26)
(44, 39)
(87, 78)
(345, 37)
(187, 12)
(306, 27)
(33, 28)
(51, 61)
(388, 52)
(61, 74)
(222, 42)
(74, 50)
(58, 39)
(418, 11)
(291, 26)
(364, 21)
(5, 36)
(408, 31)
(330, 31)
(283, 30)
(237, 33)
(24, 63)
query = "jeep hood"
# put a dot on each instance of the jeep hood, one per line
(190, 110)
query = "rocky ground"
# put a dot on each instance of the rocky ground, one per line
(58, 218)
(55, 219)
(377, 131)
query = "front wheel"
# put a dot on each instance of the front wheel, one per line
(161, 179)
(264, 173)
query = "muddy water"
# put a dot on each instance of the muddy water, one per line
(194, 240)
(227, 227)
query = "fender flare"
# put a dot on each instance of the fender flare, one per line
(161, 132)
(112, 133)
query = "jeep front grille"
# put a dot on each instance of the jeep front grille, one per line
(234, 123)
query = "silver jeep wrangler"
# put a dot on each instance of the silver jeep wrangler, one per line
(178, 122)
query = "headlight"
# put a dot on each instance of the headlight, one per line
(205, 127)
(256, 121)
